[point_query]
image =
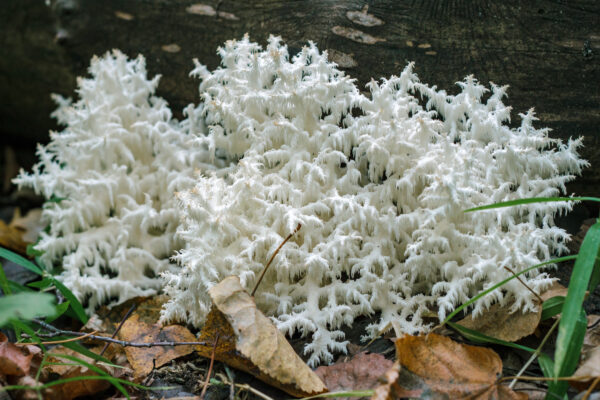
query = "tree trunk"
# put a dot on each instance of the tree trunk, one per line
(548, 51)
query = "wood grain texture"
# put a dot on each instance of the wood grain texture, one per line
(547, 50)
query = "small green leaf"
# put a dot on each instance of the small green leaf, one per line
(552, 306)
(568, 332)
(60, 310)
(75, 304)
(31, 251)
(43, 284)
(26, 306)
(17, 259)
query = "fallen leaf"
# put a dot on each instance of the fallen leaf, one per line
(555, 290)
(11, 238)
(21, 231)
(107, 319)
(360, 373)
(452, 369)
(398, 383)
(77, 388)
(141, 326)
(30, 225)
(592, 335)
(500, 323)
(247, 340)
(589, 366)
(14, 360)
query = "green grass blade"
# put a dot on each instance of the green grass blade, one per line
(79, 348)
(22, 261)
(554, 387)
(481, 338)
(97, 370)
(552, 307)
(496, 286)
(35, 339)
(580, 278)
(4, 285)
(75, 304)
(531, 200)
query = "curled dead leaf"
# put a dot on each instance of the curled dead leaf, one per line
(500, 323)
(361, 372)
(590, 366)
(14, 360)
(452, 369)
(248, 340)
(141, 326)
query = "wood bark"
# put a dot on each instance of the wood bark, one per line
(548, 51)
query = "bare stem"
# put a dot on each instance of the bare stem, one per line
(123, 343)
(272, 257)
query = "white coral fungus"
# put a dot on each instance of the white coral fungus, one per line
(112, 174)
(379, 184)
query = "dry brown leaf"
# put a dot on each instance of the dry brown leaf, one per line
(14, 360)
(11, 238)
(71, 390)
(141, 326)
(555, 290)
(592, 336)
(360, 373)
(500, 323)
(21, 231)
(30, 225)
(107, 319)
(248, 340)
(589, 366)
(398, 383)
(456, 370)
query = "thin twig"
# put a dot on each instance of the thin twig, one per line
(123, 343)
(75, 339)
(127, 315)
(524, 284)
(272, 257)
(245, 387)
(232, 386)
(210, 367)
(535, 354)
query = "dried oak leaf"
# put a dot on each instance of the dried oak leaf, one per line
(398, 383)
(14, 360)
(448, 369)
(500, 323)
(555, 290)
(589, 366)
(141, 326)
(77, 388)
(592, 336)
(247, 340)
(21, 231)
(361, 372)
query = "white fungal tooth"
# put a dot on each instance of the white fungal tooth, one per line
(380, 193)
(414, 150)
(118, 166)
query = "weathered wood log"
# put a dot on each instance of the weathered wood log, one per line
(548, 51)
